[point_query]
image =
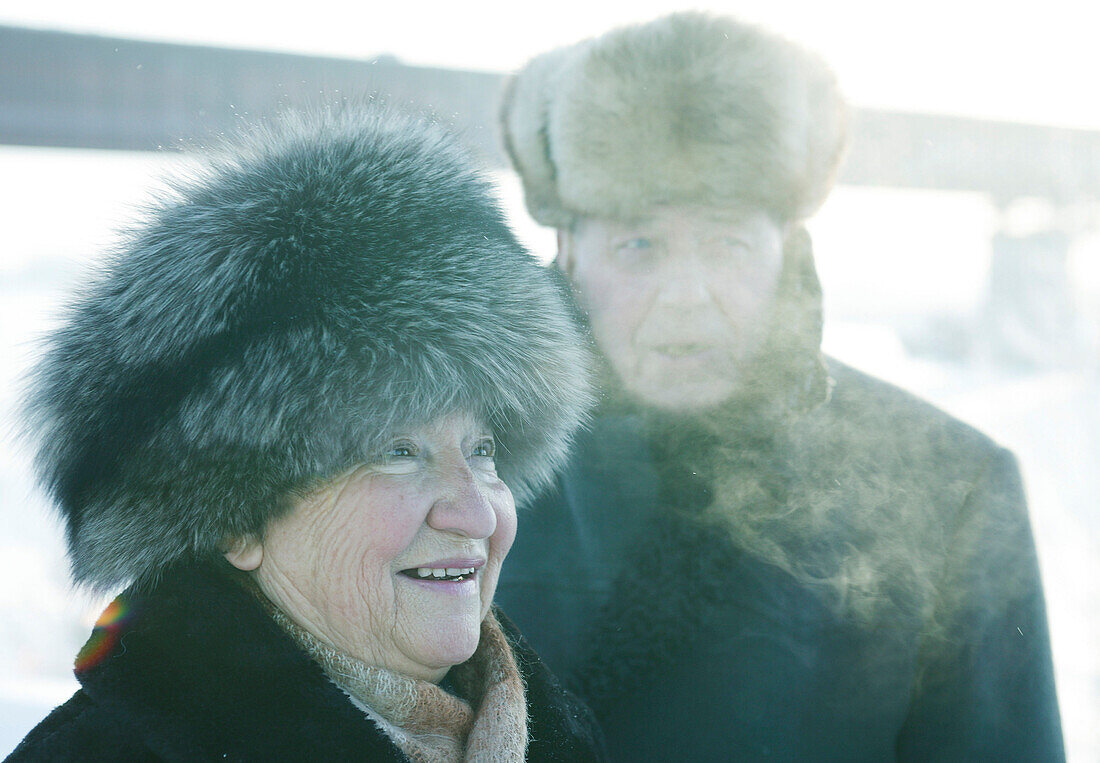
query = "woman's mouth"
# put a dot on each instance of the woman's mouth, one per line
(443, 574)
(446, 570)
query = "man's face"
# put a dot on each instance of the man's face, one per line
(679, 300)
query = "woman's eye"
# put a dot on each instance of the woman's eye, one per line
(486, 448)
(401, 457)
(401, 450)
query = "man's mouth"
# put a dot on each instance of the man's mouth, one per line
(681, 350)
(440, 574)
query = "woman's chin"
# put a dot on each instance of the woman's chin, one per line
(443, 629)
(446, 642)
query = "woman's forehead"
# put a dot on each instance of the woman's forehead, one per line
(461, 422)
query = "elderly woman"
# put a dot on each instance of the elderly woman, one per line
(294, 415)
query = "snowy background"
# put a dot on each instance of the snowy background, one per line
(907, 274)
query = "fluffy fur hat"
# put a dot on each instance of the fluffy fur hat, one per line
(269, 325)
(689, 108)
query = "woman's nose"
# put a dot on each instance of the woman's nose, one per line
(462, 505)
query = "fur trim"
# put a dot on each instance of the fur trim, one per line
(690, 108)
(485, 719)
(328, 280)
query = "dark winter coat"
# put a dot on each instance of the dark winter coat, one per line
(688, 647)
(197, 670)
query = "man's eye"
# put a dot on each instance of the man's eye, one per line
(486, 448)
(637, 252)
(732, 242)
(639, 244)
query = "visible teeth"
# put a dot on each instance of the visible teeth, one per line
(449, 572)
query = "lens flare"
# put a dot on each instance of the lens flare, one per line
(105, 635)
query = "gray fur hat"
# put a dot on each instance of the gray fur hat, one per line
(690, 108)
(326, 281)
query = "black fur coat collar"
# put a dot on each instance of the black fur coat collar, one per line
(196, 670)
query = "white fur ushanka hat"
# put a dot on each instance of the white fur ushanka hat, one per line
(690, 108)
(331, 279)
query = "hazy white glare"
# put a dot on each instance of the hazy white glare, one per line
(1032, 62)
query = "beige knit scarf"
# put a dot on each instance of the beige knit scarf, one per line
(488, 722)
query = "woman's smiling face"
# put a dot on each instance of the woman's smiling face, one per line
(395, 562)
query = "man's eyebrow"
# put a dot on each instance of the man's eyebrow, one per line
(728, 216)
(626, 225)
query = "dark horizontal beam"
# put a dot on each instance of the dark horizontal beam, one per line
(59, 89)
(1005, 159)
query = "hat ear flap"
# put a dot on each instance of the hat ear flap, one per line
(525, 123)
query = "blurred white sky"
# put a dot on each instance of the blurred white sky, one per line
(1023, 61)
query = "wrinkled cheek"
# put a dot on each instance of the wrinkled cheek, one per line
(616, 307)
(369, 603)
(499, 546)
(615, 294)
(505, 535)
(615, 331)
(747, 308)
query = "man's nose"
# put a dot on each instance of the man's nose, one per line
(683, 283)
(461, 505)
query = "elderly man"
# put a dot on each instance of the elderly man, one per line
(757, 551)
